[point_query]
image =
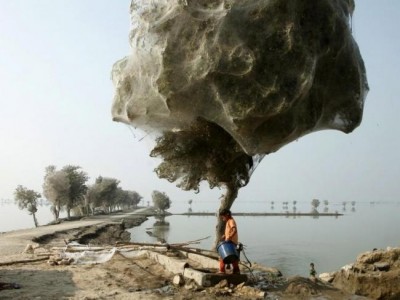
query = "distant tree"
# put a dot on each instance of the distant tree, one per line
(104, 193)
(134, 198)
(315, 203)
(294, 203)
(90, 199)
(56, 188)
(326, 202)
(27, 199)
(314, 211)
(353, 203)
(161, 201)
(127, 199)
(190, 205)
(121, 199)
(77, 187)
(344, 203)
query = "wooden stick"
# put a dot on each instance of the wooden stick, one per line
(44, 254)
(23, 261)
(163, 245)
(82, 248)
(141, 244)
(194, 252)
(190, 242)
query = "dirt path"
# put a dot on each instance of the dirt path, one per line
(13, 243)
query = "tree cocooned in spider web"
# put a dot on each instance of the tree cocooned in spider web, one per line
(266, 71)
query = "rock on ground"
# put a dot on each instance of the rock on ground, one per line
(375, 274)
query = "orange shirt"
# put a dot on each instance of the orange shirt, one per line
(231, 233)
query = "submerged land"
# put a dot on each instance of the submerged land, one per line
(34, 265)
(265, 214)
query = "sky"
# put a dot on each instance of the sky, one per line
(55, 109)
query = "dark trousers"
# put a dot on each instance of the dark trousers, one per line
(235, 265)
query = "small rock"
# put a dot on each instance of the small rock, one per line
(252, 292)
(64, 262)
(191, 286)
(222, 293)
(240, 286)
(347, 267)
(28, 249)
(382, 266)
(301, 286)
(178, 280)
(222, 284)
(327, 277)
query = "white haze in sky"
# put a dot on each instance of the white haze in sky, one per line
(55, 109)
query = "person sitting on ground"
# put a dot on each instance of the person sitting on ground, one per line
(231, 235)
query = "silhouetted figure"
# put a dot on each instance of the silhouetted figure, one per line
(313, 273)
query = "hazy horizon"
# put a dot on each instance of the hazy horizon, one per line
(56, 95)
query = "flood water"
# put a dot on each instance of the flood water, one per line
(287, 243)
(292, 243)
(13, 218)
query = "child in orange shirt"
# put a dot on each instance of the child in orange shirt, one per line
(231, 234)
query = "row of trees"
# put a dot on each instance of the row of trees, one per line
(67, 189)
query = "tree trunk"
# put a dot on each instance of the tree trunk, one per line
(58, 212)
(83, 209)
(53, 210)
(86, 206)
(35, 220)
(226, 203)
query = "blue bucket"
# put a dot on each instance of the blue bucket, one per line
(227, 251)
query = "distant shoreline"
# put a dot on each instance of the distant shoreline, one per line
(254, 214)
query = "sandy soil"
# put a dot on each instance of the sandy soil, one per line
(119, 278)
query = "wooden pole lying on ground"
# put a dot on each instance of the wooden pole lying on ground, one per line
(163, 245)
(128, 246)
(8, 263)
(194, 252)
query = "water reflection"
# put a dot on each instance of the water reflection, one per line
(160, 229)
(289, 242)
